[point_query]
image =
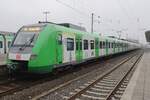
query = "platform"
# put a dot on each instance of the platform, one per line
(139, 85)
(2, 59)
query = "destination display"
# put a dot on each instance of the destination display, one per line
(31, 29)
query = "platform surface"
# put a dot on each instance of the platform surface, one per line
(2, 59)
(139, 85)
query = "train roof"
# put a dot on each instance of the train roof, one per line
(67, 29)
(7, 33)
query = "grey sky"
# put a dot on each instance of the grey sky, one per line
(130, 16)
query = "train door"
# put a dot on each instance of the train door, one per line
(78, 49)
(101, 48)
(104, 48)
(92, 48)
(8, 43)
(59, 49)
(68, 48)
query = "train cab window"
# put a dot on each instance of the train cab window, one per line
(92, 44)
(70, 44)
(1, 44)
(101, 44)
(9, 44)
(60, 39)
(85, 44)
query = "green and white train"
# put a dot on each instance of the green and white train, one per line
(43, 47)
(5, 41)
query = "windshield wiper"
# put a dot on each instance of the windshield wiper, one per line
(27, 43)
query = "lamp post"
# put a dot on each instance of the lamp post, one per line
(92, 22)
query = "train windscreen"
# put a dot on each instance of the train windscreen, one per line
(27, 36)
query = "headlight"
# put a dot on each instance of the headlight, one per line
(33, 56)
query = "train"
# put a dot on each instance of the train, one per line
(5, 41)
(43, 47)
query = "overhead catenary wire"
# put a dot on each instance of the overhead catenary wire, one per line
(74, 9)
(133, 19)
(124, 10)
(88, 16)
(77, 10)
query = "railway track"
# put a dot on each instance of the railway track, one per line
(10, 87)
(2, 70)
(106, 86)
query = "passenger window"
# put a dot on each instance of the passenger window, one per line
(104, 45)
(85, 44)
(100, 45)
(70, 44)
(112, 45)
(60, 39)
(1, 44)
(109, 45)
(117, 45)
(120, 45)
(92, 44)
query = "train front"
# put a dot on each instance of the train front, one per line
(21, 52)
